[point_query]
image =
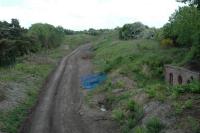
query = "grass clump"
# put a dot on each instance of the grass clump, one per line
(157, 91)
(154, 125)
(139, 129)
(180, 106)
(128, 116)
(118, 115)
(194, 125)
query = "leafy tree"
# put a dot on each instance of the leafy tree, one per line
(7, 52)
(47, 35)
(136, 30)
(15, 23)
(184, 29)
(93, 32)
(192, 2)
(14, 42)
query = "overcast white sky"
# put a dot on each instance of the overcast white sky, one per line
(84, 14)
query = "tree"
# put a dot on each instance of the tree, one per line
(14, 42)
(184, 29)
(192, 2)
(134, 31)
(15, 23)
(47, 35)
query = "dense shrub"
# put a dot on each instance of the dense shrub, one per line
(7, 52)
(14, 42)
(136, 30)
(184, 29)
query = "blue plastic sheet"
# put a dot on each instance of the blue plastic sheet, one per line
(93, 80)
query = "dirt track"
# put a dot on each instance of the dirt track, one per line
(61, 108)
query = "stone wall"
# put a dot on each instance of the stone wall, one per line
(178, 75)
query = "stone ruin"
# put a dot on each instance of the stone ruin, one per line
(178, 75)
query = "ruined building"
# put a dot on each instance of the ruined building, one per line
(177, 75)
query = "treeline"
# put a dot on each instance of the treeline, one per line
(17, 41)
(182, 31)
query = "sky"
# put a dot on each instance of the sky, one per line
(85, 14)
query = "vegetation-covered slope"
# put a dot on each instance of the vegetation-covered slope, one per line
(140, 64)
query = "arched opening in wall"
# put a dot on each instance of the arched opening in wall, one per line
(180, 79)
(171, 78)
(192, 78)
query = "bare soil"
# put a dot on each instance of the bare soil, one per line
(61, 107)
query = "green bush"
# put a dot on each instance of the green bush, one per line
(166, 43)
(7, 52)
(131, 105)
(132, 31)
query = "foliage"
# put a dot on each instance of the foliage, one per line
(93, 32)
(136, 30)
(142, 60)
(157, 91)
(192, 2)
(47, 35)
(14, 42)
(193, 87)
(183, 29)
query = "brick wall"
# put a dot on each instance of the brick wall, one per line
(178, 75)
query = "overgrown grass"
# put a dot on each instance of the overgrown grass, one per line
(154, 125)
(142, 61)
(75, 40)
(128, 116)
(193, 87)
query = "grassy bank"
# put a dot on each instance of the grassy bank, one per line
(139, 63)
(27, 76)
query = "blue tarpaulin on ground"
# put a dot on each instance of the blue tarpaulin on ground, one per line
(92, 80)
